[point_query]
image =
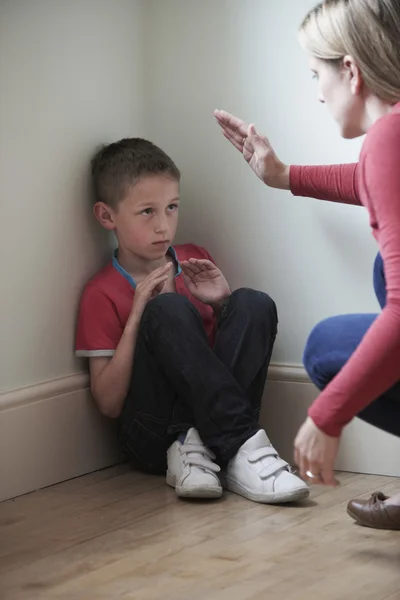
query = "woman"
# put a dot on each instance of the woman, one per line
(354, 52)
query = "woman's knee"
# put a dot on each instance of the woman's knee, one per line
(328, 348)
(316, 352)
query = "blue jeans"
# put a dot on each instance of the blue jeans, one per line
(333, 341)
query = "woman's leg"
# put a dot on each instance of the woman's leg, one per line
(329, 347)
(333, 341)
(379, 511)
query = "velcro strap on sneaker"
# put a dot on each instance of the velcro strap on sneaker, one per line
(187, 448)
(272, 469)
(203, 463)
(265, 452)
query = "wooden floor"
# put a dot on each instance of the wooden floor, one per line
(118, 534)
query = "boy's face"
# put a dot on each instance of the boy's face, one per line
(145, 221)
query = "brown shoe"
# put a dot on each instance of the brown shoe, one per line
(374, 512)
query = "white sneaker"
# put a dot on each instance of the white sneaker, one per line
(191, 470)
(257, 473)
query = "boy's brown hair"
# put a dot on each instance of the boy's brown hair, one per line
(121, 164)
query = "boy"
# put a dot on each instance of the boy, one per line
(175, 356)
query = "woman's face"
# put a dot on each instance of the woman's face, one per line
(339, 85)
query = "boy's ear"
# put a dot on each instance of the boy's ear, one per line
(105, 215)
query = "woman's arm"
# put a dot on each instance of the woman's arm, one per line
(337, 183)
(375, 366)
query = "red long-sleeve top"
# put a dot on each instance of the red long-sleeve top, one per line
(373, 182)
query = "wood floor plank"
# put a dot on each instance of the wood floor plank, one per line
(119, 534)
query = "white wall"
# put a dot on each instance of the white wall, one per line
(315, 259)
(78, 73)
(71, 78)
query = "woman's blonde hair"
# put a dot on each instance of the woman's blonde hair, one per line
(367, 30)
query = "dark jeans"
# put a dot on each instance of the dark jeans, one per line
(179, 381)
(334, 340)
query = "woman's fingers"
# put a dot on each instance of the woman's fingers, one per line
(320, 474)
(228, 120)
(303, 466)
(234, 129)
(238, 145)
(313, 472)
(236, 135)
(328, 476)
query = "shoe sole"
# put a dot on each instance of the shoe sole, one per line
(203, 492)
(267, 498)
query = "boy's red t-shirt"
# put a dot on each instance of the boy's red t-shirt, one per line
(107, 300)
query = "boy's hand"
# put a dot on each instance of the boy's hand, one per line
(205, 282)
(146, 290)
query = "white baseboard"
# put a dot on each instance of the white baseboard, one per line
(51, 432)
(289, 393)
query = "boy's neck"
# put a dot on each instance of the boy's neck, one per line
(137, 266)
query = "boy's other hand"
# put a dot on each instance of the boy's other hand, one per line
(147, 289)
(205, 281)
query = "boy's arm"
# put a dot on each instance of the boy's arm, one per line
(110, 376)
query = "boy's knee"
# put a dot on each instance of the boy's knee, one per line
(168, 305)
(256, 303)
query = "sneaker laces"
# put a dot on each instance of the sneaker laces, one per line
(273, 460)
(203, 457)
